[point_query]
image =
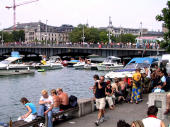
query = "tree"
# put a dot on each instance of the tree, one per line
(18, 36)
(165, 17)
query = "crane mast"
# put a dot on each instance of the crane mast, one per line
(14, 9)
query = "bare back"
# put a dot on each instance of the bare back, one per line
(64, 98)
(56, 101)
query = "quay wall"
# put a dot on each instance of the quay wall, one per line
(159, 100)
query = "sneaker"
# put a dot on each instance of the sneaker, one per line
(102, 120)
(96, 123)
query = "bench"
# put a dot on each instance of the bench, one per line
(39, 120)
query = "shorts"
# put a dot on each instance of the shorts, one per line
(100, 103)
(55, 110)
(64, 107)
(109, 100)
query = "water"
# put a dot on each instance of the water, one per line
(13, 88)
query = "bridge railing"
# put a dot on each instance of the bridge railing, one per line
(76, 45)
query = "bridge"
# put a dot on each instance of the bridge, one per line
(80, 50)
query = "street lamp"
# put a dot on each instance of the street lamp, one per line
(2, 37)
(83, 38)
(109, 36)
(46, 33)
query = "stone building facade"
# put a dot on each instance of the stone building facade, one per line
(38, 31)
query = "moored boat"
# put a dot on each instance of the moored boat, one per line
(110, 63)
(130, 68)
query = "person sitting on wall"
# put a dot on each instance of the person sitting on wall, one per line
(46, 106)
(56, 101)
(64, 99)
(32, 112)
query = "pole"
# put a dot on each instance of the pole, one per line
(110, 24)
(2, 38)
(83, 34)
(14, 8)
(46, 33)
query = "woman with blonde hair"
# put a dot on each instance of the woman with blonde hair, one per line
(137, 123)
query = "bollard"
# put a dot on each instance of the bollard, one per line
(46, 120)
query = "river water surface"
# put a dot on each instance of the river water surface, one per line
(13, 88)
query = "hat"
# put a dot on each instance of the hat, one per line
(108, 82)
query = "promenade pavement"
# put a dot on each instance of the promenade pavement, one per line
(127, 112)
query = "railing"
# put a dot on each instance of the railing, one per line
(76, 45)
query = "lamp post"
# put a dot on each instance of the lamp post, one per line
(46, 33)
(109, 37)
(83, 38)
(2, 37)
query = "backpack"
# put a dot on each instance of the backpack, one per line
(73, 101)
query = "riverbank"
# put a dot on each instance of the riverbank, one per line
(127, 112)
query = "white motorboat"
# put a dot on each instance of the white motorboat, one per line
(79, 65)
(110, 63)
(130, 68)
(7, 67)
(51, 64)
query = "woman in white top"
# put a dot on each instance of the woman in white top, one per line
(152, 120)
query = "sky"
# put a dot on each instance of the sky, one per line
(124, 13)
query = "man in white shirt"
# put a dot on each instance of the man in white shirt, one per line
(46, 105)
(152, 120)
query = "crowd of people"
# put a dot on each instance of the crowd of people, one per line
(130, 90)
(111, 91)
(48, 104)
(86, 44)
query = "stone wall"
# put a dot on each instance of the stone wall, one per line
(159, 100)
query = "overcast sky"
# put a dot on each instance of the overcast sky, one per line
(124, 13)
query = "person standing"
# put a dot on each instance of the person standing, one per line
(46, 106)
(152, 120)
(32, 112)
(100, 96)
(136, 88)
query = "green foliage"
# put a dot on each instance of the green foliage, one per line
(15, 36)
(165, 17)
(95, 35)
(127, 38)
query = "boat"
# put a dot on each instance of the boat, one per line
(130, 68)
(110, 63)
(72, 62)
(79, 65)
(8, 68)
(52, 64)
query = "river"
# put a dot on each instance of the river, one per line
(13, 88)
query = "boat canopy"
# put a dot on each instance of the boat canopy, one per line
(146, 60)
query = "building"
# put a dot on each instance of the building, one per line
(38, 31)
(117, 31)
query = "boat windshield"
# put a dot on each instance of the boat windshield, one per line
(136, 65)
(5, 62)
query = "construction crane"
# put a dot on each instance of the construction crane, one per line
(14, 9)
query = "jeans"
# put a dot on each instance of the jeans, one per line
(41, 111)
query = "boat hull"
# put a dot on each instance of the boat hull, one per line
(15, 72)
(108, 68)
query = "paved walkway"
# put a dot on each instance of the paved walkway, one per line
(127, 112)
